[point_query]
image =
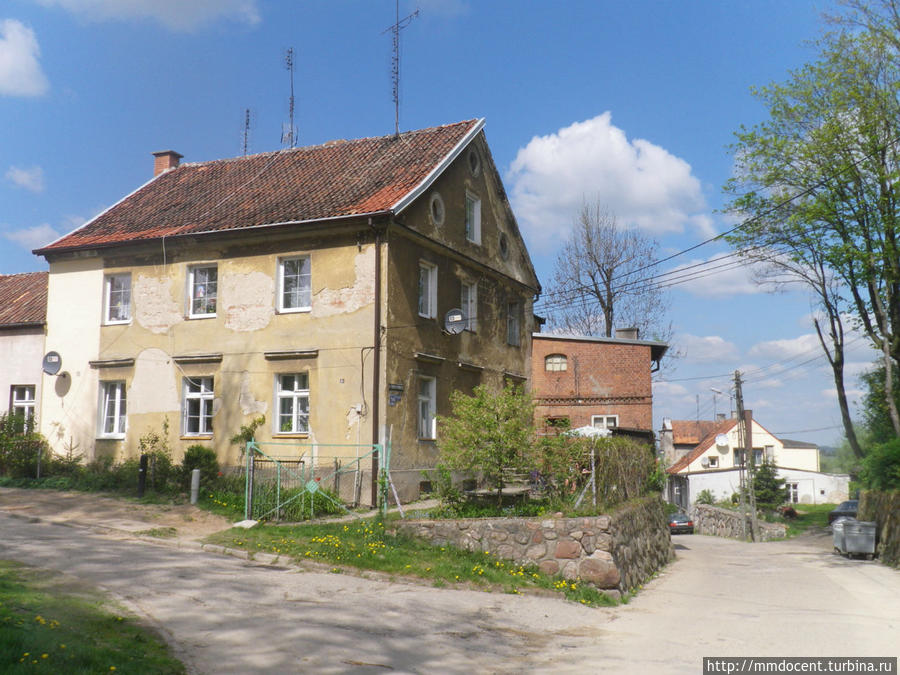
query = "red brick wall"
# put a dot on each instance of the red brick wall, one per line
(615, 376)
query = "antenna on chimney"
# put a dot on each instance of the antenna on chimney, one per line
(395, 59)
(288, 132)
(245, 134)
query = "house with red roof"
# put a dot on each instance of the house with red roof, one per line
(711, 456)
(23, 311)
(313, 286)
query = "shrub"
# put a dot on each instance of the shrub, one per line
(881, 466)
(768, 488)
(705, 497)
(203, 458)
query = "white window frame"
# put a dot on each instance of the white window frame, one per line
(473, 218)
(513, 325)
(109, 302)
(305, 281)
(469, 302)
(22, 400)
(556, 363)
(204, 401)
(713, 461)
(427, 290)
(112, 408)
(604, 421)
(793, 492)
(298, 398)
(426, 408)
(192, 271)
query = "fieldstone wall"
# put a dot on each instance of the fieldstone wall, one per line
(613, 552)
(720, 522)
(884, 509)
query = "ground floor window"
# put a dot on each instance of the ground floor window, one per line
(197, 406)
(22, 400)
(427, 405)
(292, 392)
(112, 410)
(793, 492)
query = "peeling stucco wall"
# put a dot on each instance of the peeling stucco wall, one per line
(249, 404)
(154, 307)
(355, 294)
(248, 300)
(153, 390)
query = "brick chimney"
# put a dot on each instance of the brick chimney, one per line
(165, 160)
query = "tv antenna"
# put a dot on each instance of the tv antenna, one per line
(245, 132)
(395, 59)
(288, 132)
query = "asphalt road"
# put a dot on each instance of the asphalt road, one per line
(719, 598)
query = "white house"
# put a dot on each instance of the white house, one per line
(23, 313)
(715, 462)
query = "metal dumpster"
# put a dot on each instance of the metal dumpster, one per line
(859, 538)
(837, 534)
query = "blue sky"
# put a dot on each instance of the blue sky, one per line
(633, 103)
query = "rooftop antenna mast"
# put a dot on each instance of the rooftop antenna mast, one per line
(395, 59)
(289, 133)
(245, 134)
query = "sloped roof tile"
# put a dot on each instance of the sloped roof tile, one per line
(23, 299)
(333, 180)
(705, 443)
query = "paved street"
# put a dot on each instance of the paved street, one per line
(720, 598)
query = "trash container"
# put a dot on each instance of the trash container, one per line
(859, 538)
(837, 534)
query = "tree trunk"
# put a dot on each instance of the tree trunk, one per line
(889, 387)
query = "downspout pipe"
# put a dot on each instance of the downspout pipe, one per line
(376, 364)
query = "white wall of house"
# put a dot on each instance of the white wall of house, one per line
(21, 352)
(69, 399)
(722, 457)
(799, 458)
(809, 487)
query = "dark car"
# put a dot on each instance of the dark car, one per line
(844, 510)
(681, 523)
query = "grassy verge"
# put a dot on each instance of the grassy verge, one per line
(49, 627)
(809, 517)
(365, 545)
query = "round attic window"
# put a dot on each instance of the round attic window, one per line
(436, 208)
(474, 162)
(504, 246)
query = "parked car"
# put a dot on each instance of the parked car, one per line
(681, 523)
(846, 509)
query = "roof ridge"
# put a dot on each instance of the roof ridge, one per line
(326, 144)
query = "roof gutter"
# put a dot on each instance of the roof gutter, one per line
(426, 182)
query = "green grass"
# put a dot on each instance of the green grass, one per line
(365, 545)
(49, 626)
(809, 517)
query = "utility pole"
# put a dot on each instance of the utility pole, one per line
(745, 427)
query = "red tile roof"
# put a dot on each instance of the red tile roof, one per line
(705, 443)
(23, 299)
(333, 180)
(691, 432)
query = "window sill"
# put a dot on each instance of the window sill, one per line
(299, 434)
(191, 317)
(117, 437)
(198, 437)
(117, 323)
(427, 440)
(293, 310)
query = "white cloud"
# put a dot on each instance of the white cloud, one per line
(179, 15)
(31, 179)
(791, 348)
(705, 349)
(20, 72)
(33, 237)
(641, 183)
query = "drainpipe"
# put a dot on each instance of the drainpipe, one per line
(376, 365)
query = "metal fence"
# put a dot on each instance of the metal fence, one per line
(297, 481)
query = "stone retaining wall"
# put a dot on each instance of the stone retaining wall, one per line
(615, 552)
(720, 522)
(884, 509)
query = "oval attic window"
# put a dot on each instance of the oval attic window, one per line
(504, 246)
(474, 162)
(437, 209)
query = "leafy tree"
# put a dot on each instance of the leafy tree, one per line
(596, 284)
(881, 466)
(769, 489)
(817, 181)
(488, 432)
(874, 407)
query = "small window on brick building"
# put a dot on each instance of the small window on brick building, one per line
(561, 423)
(556, 362)
(604, 421)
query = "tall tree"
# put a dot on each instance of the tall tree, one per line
(597, 283)
(817, 180)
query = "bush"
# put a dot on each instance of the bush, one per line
(203, 458)
(768, 488)
(705, 497)
(881, 467)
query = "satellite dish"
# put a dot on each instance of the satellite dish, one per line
(52, 363)
(704, 462)
(722, 443)
(455, 321)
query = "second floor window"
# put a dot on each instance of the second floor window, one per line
(556, 362)
(203, 287)
(427, 290)
(469, 305)
(295, 291)
(112, 410)
(197, 406)
(512, 323)
(604, 421)
(117, 298)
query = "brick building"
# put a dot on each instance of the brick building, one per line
(595, 381)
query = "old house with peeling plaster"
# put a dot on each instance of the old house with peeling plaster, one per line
(309, 285)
